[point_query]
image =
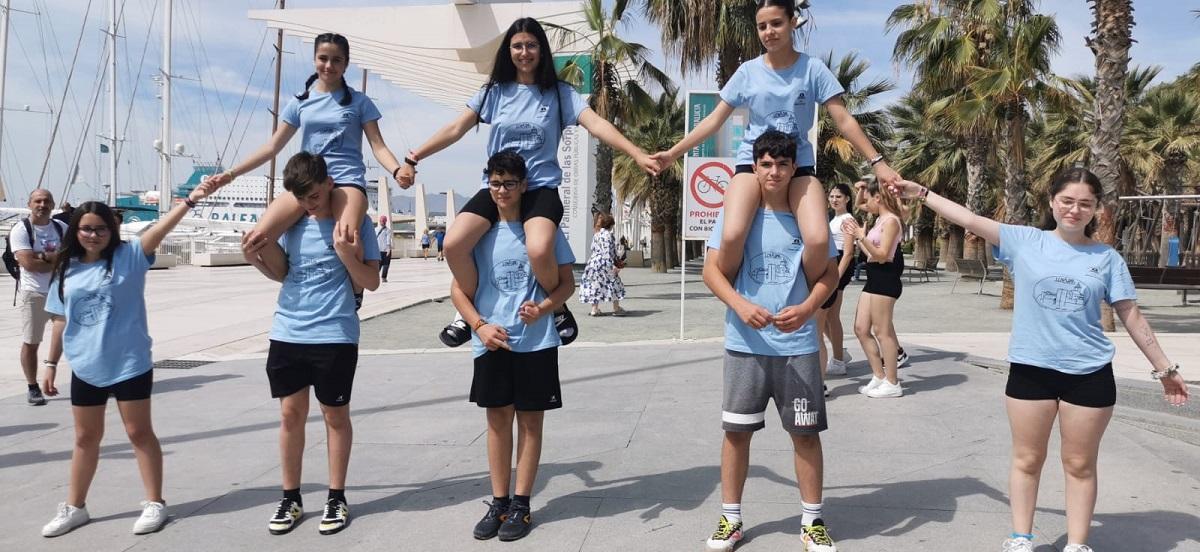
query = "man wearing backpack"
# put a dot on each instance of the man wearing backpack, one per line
(34, 242)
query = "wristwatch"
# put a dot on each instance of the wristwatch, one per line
(1165, 373)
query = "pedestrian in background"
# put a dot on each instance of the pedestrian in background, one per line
(383, 236)
(601, 281)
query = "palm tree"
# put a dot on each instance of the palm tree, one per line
(618, 68)
(836, 158)
(701, 32)
(660, 130)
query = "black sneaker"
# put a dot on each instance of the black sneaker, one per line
(455, 333)
(337, 514)
(516, 524)
(35, 397)
(286, 517)
(565, 323)
(490, 524)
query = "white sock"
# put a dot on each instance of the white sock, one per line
(810, 514)
(457, 316)
(732, 512)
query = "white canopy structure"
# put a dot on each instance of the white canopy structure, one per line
(440, 52)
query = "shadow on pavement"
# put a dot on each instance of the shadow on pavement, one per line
(188, 383)
(5, 431)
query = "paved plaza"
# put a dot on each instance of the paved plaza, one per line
(632, 460)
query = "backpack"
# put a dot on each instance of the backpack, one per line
(10, 260)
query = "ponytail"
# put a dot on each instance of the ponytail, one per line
(347, 92)
(307, 84)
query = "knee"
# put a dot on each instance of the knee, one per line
(140, 434)
(539, 251)
(338, 419)
(292, 419)
(1028, 461)
(739, 438)
(862, 330)
(1079, 466)
(806, 441)
(88, 439)
(530, 423)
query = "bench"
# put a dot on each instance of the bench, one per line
(1179, 279)
(971, 268)
(922, 269)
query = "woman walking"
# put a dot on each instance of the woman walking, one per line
(601, 281)
(97, 301)
(873, 321)
(1060, 359)
(829, 318)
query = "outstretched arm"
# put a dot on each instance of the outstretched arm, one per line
(983, 227)
(1174, 389)
(706, 128)
(261, 155)
(847, 125)
(445, 136)
(156, 233)
(383, 154)
(610, 135)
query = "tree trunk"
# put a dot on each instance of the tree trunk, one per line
(1112, 35)
(658, 254)
(954, 248)
(602, 198)
(1016, 204)
(923, 246)
(978, 149)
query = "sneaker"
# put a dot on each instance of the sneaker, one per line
(517, 523)
(154, 517)
(456, 333)
(726, 536)
(1077, 548)
(886, 390)
(35, 397)
(846, 356)
(67, 519)
(286, 517)
(864, 389)
(825, 388)
(492, 520)
(816, 538)
(835, 367)
(902, 359)
(565, 323)
(1019, 544)
(337, 514)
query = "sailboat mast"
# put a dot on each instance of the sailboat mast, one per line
(3, 76)
(112, 102)
(275, 107)
(164, 177)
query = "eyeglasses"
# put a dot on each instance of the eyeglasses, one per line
(99, 231)
(1068, 204)
(531, 46)
(506, 184)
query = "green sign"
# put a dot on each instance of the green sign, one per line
(700, 104)
(581, 70)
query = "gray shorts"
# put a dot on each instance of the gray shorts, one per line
(794, 383)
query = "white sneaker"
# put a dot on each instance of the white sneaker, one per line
(846, 356)
(1077, 548)
(1019, 544)
(835, 367)
(154, 516)
(864, 389)
(67, 518)
(886, 390)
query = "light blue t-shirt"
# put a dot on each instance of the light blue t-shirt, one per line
(106, 339)
(1059, 288)
(784, 100)
(334, 131)
(529, 120)
(506, 280)
(316, 303)
(770, 276)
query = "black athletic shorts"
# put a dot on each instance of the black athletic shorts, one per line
(358, 187)
(843, 281)
(884, 278)
(327, 367)
(136, 388)
(538, 202)
(528, 381)
(806, 170)
(1032, 383)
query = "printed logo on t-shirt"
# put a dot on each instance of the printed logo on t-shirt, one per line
(313, 271)
(92, 310)
(326, 139)
(784, 121)
(804, 416)
(524, 137)
(1061, 293)
(771, 268)
(800, 99)
(511, 275)
(542, 112)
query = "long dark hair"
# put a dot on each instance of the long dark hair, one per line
(504, 71)
(341, 42)
(72, 248)
(790, 7)
(1075, 175)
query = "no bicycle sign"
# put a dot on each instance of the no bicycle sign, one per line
(708, 178)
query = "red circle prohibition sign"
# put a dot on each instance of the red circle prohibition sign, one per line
(703, 184)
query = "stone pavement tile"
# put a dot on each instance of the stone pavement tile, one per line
(652, 525)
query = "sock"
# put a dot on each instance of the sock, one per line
(33, 386)
(520, 501)
(1016, 535)
(293, 494)
(339, 494)
(732, 512)
(811, 513)
(501, 500)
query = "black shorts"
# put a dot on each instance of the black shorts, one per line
(136, 388)
(358, 187)
(1032, 383)
(829, 302)
(884, 278)
(424, 246)
(529, 381)
(538, 202)
(328, 368)
(806, 170)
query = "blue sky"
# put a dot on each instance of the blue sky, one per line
(217, 44)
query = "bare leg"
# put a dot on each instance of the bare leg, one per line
(1081, 429)
(1031, 422)
(29, 358)
(807, 199)
(89, 429)
(293, 410)
(529, 449)
(810, 466)
(735, 463)
(349, 207)
(882, 309)
(459, 244)
(339, 435)
(281, 214)
(140, 429)
(741, 202)
(540, 234)
(834, 329)
(823, 353)
(500, 448)
(862, 329)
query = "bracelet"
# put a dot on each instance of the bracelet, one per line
(410, 160)
(188, 201)
(394, 177)
(924, 193)
(230, 174)
(1165, 373)
(481, 323)
(877, 159)
(50, 363)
